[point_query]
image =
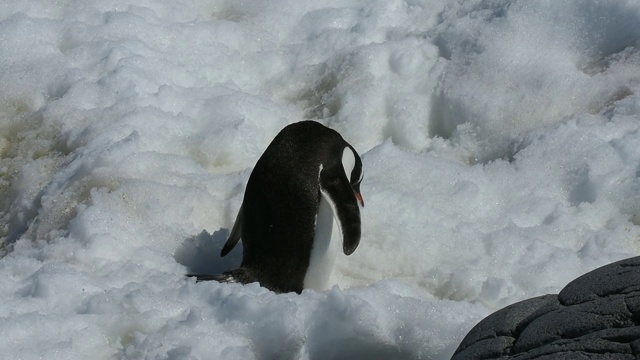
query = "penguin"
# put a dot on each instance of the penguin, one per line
(307, 177)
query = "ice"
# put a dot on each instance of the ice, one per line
(501, 152)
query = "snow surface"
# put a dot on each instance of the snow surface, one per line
(500, 142)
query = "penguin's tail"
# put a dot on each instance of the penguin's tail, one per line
(223, 278)
(232, 276)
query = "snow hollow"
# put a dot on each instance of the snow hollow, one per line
(500, 142)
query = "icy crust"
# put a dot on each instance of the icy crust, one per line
(596, 316)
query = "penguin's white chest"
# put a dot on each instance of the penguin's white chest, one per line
(324, 251)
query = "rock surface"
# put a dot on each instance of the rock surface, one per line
(596, 316)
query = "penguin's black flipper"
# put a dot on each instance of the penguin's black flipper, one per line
(337, 190)
(234, 236)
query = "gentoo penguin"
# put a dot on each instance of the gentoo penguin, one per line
(306, 177)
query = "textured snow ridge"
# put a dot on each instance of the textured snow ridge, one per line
(596, 316)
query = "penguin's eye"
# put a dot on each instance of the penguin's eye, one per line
(352, 165)
(356, 181)
(356, 177)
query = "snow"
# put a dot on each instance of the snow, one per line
(500, 142)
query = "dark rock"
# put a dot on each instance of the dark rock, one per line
(596, 316)
(618, 278)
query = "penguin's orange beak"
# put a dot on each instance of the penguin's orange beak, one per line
(359, 197)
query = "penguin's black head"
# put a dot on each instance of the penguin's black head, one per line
(352, 163)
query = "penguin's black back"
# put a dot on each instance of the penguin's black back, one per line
(281, 203)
